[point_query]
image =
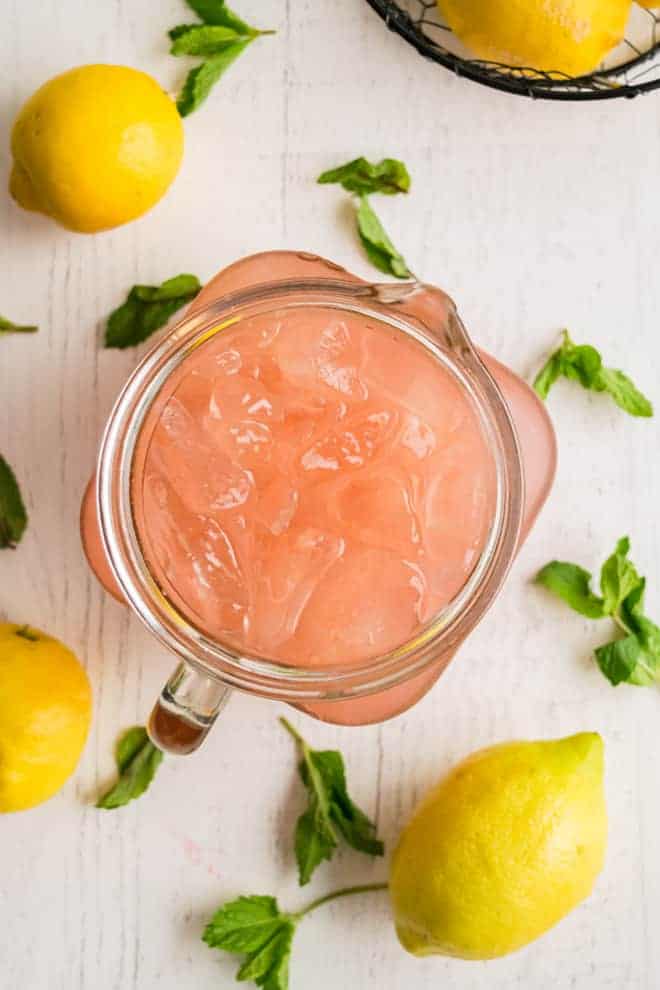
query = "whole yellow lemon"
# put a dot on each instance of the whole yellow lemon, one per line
(45, 711)
(568, 36)
(95, 147)
(504, 847)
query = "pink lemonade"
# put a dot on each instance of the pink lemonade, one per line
(315, 489)
(312, 486)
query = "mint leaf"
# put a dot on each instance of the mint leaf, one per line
(626, 395)
(573, 585)
(202, 39)
(380, 250)
(217, 12)
(13, 517)
(200, 81)
(583, 363)
(548, 375)
(580, 363)
(315, 840)
(357, 830)
(147, 308)
(331, 812)
(137, 762)
(632, 614)
(618, 660)
(6, 326)
(181, 29)
(255, 927)
(360, 176)
(633, 657)
(618, 577)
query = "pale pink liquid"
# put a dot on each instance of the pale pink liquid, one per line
(538, 450)
(315, 489)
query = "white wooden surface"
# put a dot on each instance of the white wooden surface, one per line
(534, 216)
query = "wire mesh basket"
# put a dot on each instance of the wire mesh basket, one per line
(631, 69)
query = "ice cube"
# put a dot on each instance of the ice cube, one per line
(277, 504)
(342, 625)
(379, 509)
(291, 566)
(364, 435)
(417, 436)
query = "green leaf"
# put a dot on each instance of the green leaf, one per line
(360, 176)
(217, 12)
(626, 395)
(380, 250)
(357, 830)
(200, 81)
(204, 40)
(548, 375)
(618, 577)
(180, 30)
(573, 584)
(315, 840)
(330, 812)
(137, 762)
(255, 927)
(13, 517)
(582, 363)
(633, 658)
(632, 614)
(147, 308)
(619, 660)
(6, 326)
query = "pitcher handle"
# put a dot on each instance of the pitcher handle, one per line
(188, 706)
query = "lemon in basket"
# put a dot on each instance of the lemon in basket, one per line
(564, 36)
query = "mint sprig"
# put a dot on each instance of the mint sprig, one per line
(361, 178)
(7, 326)
(147, 308)
(331, 814)
(13, 515)
(583, 363)
(137, 762)
(255, 927)
(633, 657)
(219, 39)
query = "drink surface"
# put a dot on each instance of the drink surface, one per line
(314, 489)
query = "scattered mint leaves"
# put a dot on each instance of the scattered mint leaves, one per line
(147, 308)
(13, 516)
(330, 814)
(219, 39)
(6, 326)
(137, 762)
(582, 363)
(362, 177)
(633, 657)
(380, 250)
(256, 928)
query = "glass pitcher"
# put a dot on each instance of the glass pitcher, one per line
(521, 444)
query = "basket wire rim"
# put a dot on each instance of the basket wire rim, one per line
(487, 73)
